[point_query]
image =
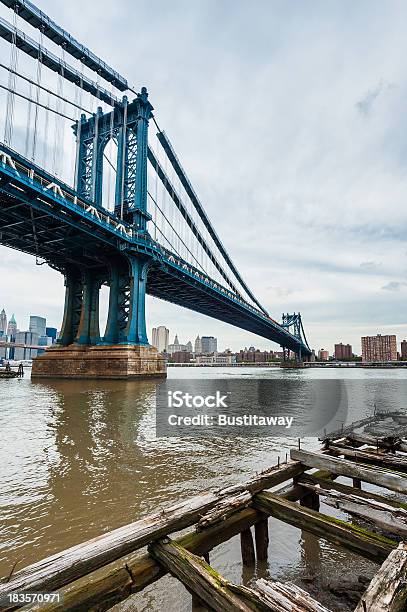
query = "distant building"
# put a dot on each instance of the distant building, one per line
(253, 355)
(181, 357)
(38, 325)
(343, 351)
(404, 349)
(12, 328)
(29, 338)
(52, 333)
(176, 347)
(3, 323)
(209, 344)
(379, 348)
(323, 355)
(160, 338)
(198, 346)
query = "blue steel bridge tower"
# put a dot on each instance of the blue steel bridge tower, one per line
(126, 273)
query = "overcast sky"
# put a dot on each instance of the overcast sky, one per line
(290, 119)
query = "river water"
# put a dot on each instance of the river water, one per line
(78, 458)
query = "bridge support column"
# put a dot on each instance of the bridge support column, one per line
(88, 330)
(72, 308)
(135, 331)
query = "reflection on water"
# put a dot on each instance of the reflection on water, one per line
(78, 458)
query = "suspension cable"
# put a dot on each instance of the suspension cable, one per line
(49, 108)
(49, 91)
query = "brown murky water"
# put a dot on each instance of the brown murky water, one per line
(80, 458)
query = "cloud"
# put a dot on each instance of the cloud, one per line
(394, 286)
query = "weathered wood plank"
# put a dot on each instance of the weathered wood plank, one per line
(64, 567)
(223, 509)
(389, 442)
(198, 577)
(387, 591)
(377, 476)
(380, 514)
(326, 483)
(224, 596)
(358, 540)
(393, 462)
(287, 597)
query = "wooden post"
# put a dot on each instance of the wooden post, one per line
(357, 483)
(261, 532)
(247, 548)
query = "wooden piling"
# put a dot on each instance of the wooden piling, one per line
(261, 534)
(247, 548)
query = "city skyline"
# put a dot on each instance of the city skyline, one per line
(325, 182)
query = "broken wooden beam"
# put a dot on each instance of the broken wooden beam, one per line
(393, 462)
(387, 592)
(287, 597)
(53, 572)
(361, 541)
(387, 442)
(224, 596)
(342, 467)
(381, 514)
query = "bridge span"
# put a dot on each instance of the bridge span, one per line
(153, 238)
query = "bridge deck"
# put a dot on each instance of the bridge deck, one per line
(44, 217)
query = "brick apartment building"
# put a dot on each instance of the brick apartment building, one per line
(343, 351)
(379, 348)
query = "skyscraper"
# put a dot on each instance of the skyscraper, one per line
(404, 349)
(12, 327)
(209, 344)
(198, 346)
(379, 348)
(38, 325)
(160, 338)
(3, 323)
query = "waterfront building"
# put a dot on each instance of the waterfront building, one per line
(189, 346)
(209, 344)
(12, 328)
(52, 333)
(379, 348)
(3, 322)
(198, 346)
(323, 355)
(254, 356)
(38, 325)
(160, 338)
(404, 349)
(343, 351)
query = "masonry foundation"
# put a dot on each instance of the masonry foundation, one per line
(109, 362)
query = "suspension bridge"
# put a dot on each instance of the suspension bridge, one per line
(86, 188)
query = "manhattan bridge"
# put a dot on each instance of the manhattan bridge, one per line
(91, 185)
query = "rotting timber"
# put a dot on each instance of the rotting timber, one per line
(101, 572)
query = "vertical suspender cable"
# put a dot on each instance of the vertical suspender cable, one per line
(37, 97)
(123, 168)
(9, 121)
